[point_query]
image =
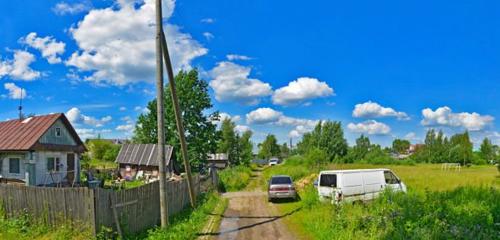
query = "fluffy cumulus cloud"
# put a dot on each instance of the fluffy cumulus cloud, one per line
(231, 82)
(370, 127)
(64, 8)
(263, 116)
(209, 36)
(271, 116)
(48, 46)
(411, 136)
(444, 116)
(233, 57)
(14, 91)
(242, 128)
(86, 133)
(19, 67)
(301, 90)
(76, 117)
(117, 44)
(374, 110)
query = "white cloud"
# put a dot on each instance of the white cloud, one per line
(231, 83)
(141, 109)
(300, 90)
(444, 116)
(48, 46)
(263, 116)
(411, 136)
(271, 116)
(64, 8)
(242, 128)
(233, 57)
(14, 92)
(125, 127)
(19, 68)
(207, 20)
(86, 133)
(209, 36)
(75, 116)
(374, 110)
(123, 109)
(117, 44)
(370, 127)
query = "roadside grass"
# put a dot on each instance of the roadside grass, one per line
(439, 205)
(100, 164)
(462, 213)
(27, 228)
(187, 224)
(234, 178)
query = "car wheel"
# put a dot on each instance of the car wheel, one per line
(269, 199)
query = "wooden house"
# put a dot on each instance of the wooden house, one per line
(40, 150)
(219, 160)
(135, 158)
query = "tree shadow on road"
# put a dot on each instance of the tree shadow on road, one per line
(269, 219)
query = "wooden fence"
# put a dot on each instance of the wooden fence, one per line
(135, 209)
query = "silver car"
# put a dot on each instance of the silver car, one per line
(281, 186)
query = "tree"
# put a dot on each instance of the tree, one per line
(269, 148)
(246, 147)
(194, 101)
(284, 150)
(327, 136)
(487, 150)
(400, 145)
(462, 148)
(228, 141)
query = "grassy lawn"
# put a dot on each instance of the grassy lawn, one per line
(440, 204)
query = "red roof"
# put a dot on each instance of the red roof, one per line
(22, 135)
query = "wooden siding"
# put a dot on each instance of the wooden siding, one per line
(50, 137)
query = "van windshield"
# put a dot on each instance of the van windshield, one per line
(328, 180)
(281, 180)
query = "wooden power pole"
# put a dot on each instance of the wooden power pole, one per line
(161, 118)
(178, 118)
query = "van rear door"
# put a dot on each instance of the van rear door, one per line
(327, 183)
(392, 181)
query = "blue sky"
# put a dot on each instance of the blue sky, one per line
(389, 69)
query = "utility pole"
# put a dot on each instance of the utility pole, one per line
(178, 118)
(160, 118)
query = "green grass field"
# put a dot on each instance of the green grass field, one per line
(439, 205)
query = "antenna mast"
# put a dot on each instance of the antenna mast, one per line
(20, 108)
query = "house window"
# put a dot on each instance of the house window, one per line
(53, 164)
(58, 132)
(14, 165)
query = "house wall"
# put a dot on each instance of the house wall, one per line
(4, 165)
(43, 176)
(50, 136)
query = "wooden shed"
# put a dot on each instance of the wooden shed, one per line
(134, 158)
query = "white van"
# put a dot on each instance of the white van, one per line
(356, 185)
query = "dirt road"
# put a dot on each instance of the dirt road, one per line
(250, 216)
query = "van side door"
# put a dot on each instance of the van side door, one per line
(392, 181)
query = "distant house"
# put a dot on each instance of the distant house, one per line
(220, 160)
(40, 150)
(134, 158)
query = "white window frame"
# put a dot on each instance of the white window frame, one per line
(58, 132)
(57, 164)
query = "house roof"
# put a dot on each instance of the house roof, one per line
(142, 154)
(23, 135)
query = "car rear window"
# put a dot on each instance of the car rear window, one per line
(328, 180)
(281, 180)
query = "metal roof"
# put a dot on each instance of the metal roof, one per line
(142, 154)
(23, 135)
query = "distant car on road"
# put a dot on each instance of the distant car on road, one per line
(356, 185)
(273, 161)
(281, 186)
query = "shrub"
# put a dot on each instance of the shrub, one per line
(234, 178)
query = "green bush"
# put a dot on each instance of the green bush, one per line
(234, 178)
